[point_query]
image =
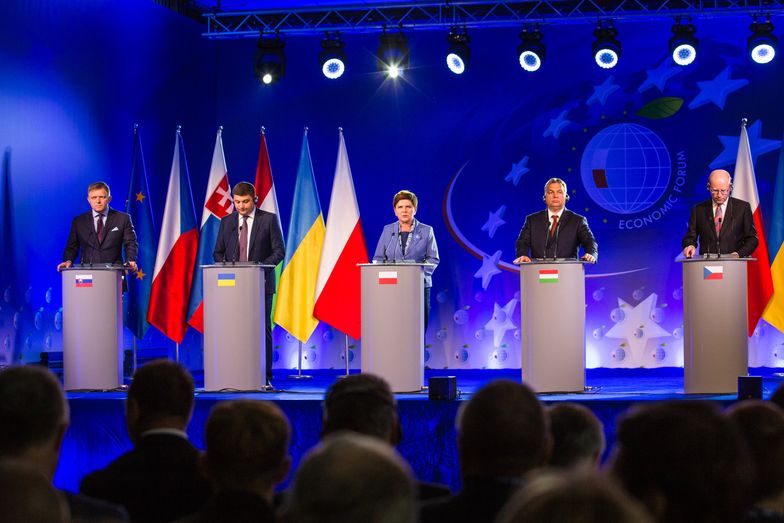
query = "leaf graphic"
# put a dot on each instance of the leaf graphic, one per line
(663, 107)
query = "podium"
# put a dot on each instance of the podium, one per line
(715, 318)
(234, 326)
(92, 327)
(393, 323)
(552, 326)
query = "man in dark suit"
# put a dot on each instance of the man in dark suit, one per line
(252, 235)
(160, 479)
(555, 232)
(721, 225)
(101, 233)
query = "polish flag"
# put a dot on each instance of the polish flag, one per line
(338, 285)
(177, 246)
(760, 282)
(217, 204)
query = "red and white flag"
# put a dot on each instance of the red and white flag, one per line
(177, 246)
(338, 285)
(760, 282)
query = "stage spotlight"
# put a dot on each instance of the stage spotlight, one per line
(530, 52)
(683, 44)
(606, 48)
(762, 43)
(270, 63)
(458, 56)
(332, 59)
(392, 53)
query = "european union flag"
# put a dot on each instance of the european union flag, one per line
(138, 205)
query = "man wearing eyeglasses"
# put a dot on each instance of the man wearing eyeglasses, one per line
(721, 225)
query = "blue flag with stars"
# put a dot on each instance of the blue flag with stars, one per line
(139, 207)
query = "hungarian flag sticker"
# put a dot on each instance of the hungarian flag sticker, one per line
(548, 276)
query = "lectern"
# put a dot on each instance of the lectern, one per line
(715, 318)
(552, 309)
(234, 340)
(92, 327)
(393, 323)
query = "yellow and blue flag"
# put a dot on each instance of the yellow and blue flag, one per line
(297, 290)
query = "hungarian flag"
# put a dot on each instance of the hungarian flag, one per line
(760, 283)
(139, 207)
(268, 200)
(177, 246)
(217, 204)
(338, 291)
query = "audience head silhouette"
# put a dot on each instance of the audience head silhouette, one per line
(577, 436)
(362, 403)
(160, 396)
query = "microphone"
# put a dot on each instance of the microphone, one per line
(387, 245)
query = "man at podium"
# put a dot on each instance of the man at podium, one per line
(721, 225)
(252, 235)
(101, 233)
(555, 232)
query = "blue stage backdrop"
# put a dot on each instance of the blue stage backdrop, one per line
(476, 149)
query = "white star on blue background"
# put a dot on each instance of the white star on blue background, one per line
(489, 269)
(494, 221)
(557, 125)
(658, 77)
(637, 327)
(517, 171)
(757, 146)
(501, 322)
(716, 90)
(602, 92)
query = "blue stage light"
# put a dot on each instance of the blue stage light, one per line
(762, 43)
(270, 63)
(606, 48)
(458, 55)
(531, 51)
(392, 53)
(332, 57)
(683, 44)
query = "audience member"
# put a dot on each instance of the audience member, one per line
(684, 461)
(502, 435)
(561, 497)
(352, 478)
(247, 456)
(777, 398)
(160, 478)
(27, 496)
(577, 436)
(33, 420)
(762, 427)
(364, 403)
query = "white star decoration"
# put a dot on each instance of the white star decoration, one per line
(501, 322)
(488, 269)
(517, 171)
(715, 91)
(494, 221)
(637, 327)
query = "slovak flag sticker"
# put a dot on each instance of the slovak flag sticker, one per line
(387, 278)
(83, 280)
(713, 272)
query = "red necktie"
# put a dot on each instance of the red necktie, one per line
(554, 225)
(717, 219)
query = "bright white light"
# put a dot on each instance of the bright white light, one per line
(393, 71)
(684, 54)
(267, 78)
(333, 68)
(455, 63)
(530, 61)
(763, 53)
(606, 58)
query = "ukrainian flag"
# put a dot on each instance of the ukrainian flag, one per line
(297, 287)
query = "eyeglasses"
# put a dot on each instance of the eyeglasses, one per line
(719, 191)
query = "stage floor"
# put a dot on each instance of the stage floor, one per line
(97, 434)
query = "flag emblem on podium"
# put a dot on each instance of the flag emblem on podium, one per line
(713, 272)
(84, 280)
(548, 276)
(226, 280)
(387, 278)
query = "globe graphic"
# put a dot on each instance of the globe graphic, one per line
(625, 168)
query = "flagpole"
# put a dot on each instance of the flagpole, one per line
(345, 352)
(299, 375)
(176, 352)
(133, 368)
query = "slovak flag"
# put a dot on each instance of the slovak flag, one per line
(84, 280)
(177, 246)
(713, 272)
(217, 204)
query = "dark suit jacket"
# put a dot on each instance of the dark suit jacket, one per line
(737, 229)
(159, 480)
(266, 243)
(573, 232)
(119, 234)
(238, 506)
(480, 501)
(85, 509)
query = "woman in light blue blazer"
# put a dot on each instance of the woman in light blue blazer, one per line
(408, 239)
